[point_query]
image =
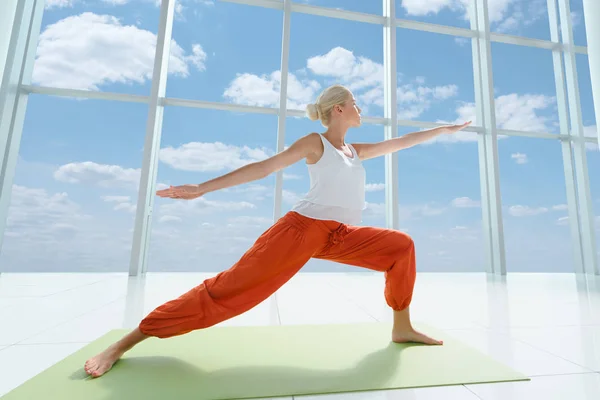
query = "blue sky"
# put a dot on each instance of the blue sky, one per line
(73, 204)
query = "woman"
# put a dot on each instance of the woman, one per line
(322, 225)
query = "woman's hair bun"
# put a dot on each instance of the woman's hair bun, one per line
(312, 111)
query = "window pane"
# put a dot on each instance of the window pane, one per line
(578, 21)
(76, 186)
(532, 185)
(588, 114)
(427, 92)
(100, 46)
(453, 13)
(235, 53)
(440, 207)
(368, 6)
(319, 59)
(528, 18)
(212, 232)
(526, 100)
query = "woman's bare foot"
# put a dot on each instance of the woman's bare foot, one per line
(403, 332)
(414, 336)
(103, 362)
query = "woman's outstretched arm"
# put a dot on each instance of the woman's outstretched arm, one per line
(248, 173)
(372, 150)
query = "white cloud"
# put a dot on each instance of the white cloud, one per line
(562, 221)
(430, 211)
(246, 221)
(414, 98)
(513, 112)
(458, 234)
(49, 231)
(462, 41)
(116, 199)
(339, 65)
(576, 18)
(560, 207)
(518, 17)
(290, 197)
(58, 3)
(374, 187)
(526, 211)
(108, 176)
(202, 205)
(290, 177)
(88, 50)
(128, 207)
(209, 157)
(122, 203)
(169, 218)
(421, 8)
(263, 91)
(116, 2)
(519, 112)
(519, 158)
(465, 202)
(499, 11)
(250, 191)
(374, 209)
(32, 209)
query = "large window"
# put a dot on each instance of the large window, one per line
(77, 180)
(76, 185)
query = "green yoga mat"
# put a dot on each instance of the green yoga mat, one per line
(266, 361)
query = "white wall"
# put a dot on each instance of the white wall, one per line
(7, 16)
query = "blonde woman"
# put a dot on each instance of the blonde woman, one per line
(323, 225)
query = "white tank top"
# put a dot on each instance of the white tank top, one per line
(337, 187)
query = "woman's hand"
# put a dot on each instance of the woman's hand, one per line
(185, 192)
(450, 129)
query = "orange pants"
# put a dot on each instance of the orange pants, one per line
(276, 256)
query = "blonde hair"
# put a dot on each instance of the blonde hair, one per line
(329, 98)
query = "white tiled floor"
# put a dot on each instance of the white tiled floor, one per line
(546, 326)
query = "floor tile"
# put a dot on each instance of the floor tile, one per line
(520, 356)
(559, 387)
(22, 362)
(578, 344)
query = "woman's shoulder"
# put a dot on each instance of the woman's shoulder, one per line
(314, 142)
